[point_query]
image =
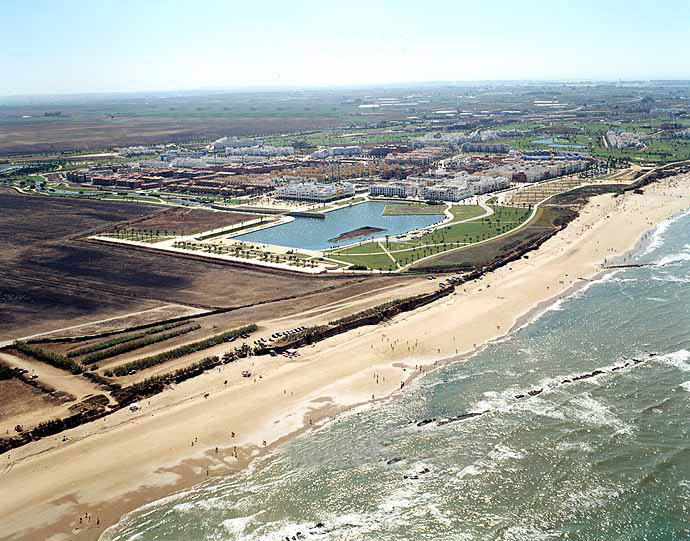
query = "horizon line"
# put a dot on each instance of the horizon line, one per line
(304, 87)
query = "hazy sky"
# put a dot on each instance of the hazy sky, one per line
(54, 46)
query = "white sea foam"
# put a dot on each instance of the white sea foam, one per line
(658, 236)
(470, 470)
(591, 411)
(541, 407)
(677, 359)
(558, 304)
(672, 258)
(579, 447)
(593, 498)
(686, 385)
(237, 525)
(494, 401)
(502, 452)
(667, 277)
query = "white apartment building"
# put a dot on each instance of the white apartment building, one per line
(441, 187)
(394, 189)
(335, 151)
(481, 184)
(267, 151)
(313, 191)
(320, 154)
(447, 191)
(346, 151)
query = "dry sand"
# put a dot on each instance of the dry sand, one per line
(116, 464)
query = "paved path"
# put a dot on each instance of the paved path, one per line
(388, 254)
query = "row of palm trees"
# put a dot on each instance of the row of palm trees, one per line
(142, 235)
(247, 253)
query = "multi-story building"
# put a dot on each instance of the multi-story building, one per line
(491, 148)
(624, 140)
(314, 191)
(267, 151)
(395, 189)
(447, 191)
(486, 184)
(335, 152)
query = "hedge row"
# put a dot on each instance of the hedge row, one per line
(156, 384)
(120, 339)
(381, 309)
(48, 357)
(178, 352)
(136, 344)
(100, 380)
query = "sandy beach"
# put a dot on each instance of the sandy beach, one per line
(75, 489)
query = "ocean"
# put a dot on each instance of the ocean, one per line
(574, 426)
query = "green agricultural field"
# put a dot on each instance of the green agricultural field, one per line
(413, 210)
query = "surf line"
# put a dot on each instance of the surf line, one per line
(534, 392)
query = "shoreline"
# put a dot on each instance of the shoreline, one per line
(344, 384)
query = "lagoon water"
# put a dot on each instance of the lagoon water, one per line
(551, 142)
(606, 457)
(313, 234)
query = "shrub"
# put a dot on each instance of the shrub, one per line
(6, 372)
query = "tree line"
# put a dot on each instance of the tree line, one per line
(136, 344)
(178, 352)
(119, 340)
(48, 357)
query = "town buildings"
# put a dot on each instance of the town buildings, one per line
(394, 189)
(441, 187)
(315, 191)
(334, 152)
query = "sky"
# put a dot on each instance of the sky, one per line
(69, 46)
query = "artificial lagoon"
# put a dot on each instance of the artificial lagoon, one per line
(315, 234)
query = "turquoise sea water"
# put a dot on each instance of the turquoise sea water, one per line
(313, 234)
(600, 458)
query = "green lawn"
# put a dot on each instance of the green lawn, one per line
(379, 261)
(358, 249)
(438, 241)
(465, 212)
